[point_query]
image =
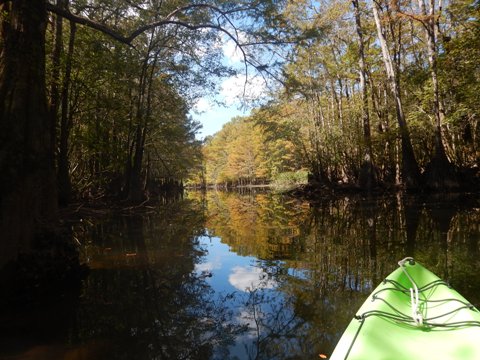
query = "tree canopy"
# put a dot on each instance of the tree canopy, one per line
(95, 97)
(377, 94)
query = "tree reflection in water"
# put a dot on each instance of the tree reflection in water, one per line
(143, 297)
(326, 258)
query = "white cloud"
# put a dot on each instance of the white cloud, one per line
(237, 88)
(244, 279)
(230, 49)
(202, 105)
(209, 266)
(232, 52)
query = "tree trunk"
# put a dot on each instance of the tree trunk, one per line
(410, 170)
(55, 83)
(136, 191)
(28, 195)
(63, 174)
(367, 178)
(440, 173)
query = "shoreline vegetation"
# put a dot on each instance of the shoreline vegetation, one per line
(303, 185)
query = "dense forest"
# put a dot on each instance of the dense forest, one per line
(380, 94)
(95, 99)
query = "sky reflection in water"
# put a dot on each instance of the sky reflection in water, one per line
(229, 271)
(240, 279)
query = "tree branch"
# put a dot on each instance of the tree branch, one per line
(87, 22)
(170, 19)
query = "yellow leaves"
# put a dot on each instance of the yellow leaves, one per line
(256, 224)
(234, 153)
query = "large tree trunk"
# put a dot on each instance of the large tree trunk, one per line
(367, 178)
(410, 170)
(440, 174)
(27, 183)
(55, 81)
(136, 190)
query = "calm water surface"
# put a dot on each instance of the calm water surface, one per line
(252, 276)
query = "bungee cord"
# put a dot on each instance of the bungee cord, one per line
(414, 295)
(416, 319)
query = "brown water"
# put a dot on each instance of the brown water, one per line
(252, 276)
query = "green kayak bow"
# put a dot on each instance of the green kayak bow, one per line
(412, 314)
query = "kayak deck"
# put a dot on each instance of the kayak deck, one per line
(412, 314)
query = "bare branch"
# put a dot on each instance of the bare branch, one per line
(87, 22)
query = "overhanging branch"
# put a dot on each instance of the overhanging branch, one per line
(170, 19)
(87, 22)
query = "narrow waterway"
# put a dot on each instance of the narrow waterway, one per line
(243, 276)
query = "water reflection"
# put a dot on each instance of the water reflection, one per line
(144, 297)
(325, 259)
(251, 276)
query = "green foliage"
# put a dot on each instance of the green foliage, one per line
(291, 179)
(126, 99)
(129, 105)
(316, 121)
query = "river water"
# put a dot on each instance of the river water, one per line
(244, 276)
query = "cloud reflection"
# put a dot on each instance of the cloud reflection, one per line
(208, 266)
(245, 279)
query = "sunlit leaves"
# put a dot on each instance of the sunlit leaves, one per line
(246, 151)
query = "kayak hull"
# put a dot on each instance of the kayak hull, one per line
(394, 323)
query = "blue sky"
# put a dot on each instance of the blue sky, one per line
(232, 92)
(215, 117)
